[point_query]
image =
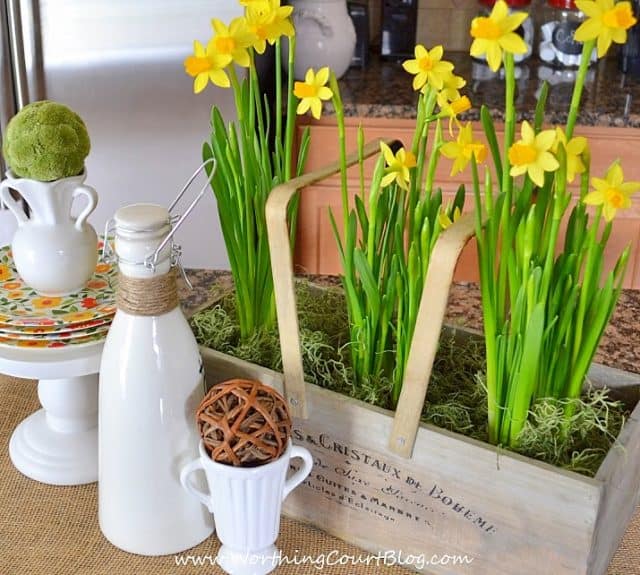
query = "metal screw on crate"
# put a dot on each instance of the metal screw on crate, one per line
(245, 453)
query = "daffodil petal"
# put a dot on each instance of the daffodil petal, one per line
(604, 42)
(588, 30)
(514, 21)
(518, 170)
(325, 93)
(608, 211)
(629, 187)
(528, 135)
(513, 43)
(594, 198)
(411, 66)
(219, 78)
(548, 162)
(316, 107)
(536, 173)
(545, 139)
(615, 175)
(388, 179)
(322, 77)
(494, 56)
(309, 76)
(420, 52)
(303, 106)
(577, 145)
(590, 9)
(436, 52)
(200, 83)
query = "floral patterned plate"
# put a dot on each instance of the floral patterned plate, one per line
(63, 335)
(5, 329)
(21, 305)
(53, 344)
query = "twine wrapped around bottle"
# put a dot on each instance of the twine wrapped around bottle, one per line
(244, 423)
(151, 296)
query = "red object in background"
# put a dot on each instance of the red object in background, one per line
(511, 3)
(563, 4)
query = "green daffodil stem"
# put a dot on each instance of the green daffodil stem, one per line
(509, 120)
(278, 111)
(237, 92)
(291, 110)
(574, 108)
(433, 159)
(342, 138)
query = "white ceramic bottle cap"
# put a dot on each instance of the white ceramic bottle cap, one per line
(141, 218)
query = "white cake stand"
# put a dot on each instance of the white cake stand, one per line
(58, 444)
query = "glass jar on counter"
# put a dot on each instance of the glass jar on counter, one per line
(557, 46)
(526, 30)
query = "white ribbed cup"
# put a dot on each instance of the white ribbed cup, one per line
(246, 505)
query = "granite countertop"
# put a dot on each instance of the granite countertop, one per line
(383, 90)
(620, 346)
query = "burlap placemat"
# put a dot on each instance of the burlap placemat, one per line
(46, 530)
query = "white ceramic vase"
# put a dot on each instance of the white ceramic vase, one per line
(151, 381)
(325, 36)
(246, 504)
(54, 253)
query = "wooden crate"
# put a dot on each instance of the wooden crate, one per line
(390, 484)
(455, 496)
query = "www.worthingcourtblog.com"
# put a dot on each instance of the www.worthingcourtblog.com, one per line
(332, 558)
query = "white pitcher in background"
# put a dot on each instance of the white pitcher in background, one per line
(325, 36)
(54, 253)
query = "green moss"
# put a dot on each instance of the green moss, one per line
(46, 141)
(456, 398)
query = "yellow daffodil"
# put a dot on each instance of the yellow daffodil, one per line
(312, 92)
(207, 65)
(445, 221)
(495, 34)
(451, 88)
(531, 155)
(258, 3)
(607, 21)
(574, 149)
(463, 149)
(452, 109)
(233, 40)
(612, 193)
(397, 167)
(268, 21)
(428, 67)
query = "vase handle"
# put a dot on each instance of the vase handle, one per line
(7, 199)
(299, 476)
(92, 202)
(190, 488)
(322, 21)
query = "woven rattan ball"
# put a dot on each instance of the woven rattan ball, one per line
(244, 423)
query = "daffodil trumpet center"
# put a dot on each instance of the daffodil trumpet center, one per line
(425, 64)
(619, 17)
(522, 154)
(195, 65)
(615, 198)
(303, 90)
(225, 44)
(485, 28)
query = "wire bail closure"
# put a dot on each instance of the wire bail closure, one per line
(175, 221)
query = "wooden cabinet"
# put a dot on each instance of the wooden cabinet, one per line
(316, 250)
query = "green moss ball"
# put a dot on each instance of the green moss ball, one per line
(46, 141)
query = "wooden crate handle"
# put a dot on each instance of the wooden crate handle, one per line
(430, 313)
(283, 275)
(433, 305)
